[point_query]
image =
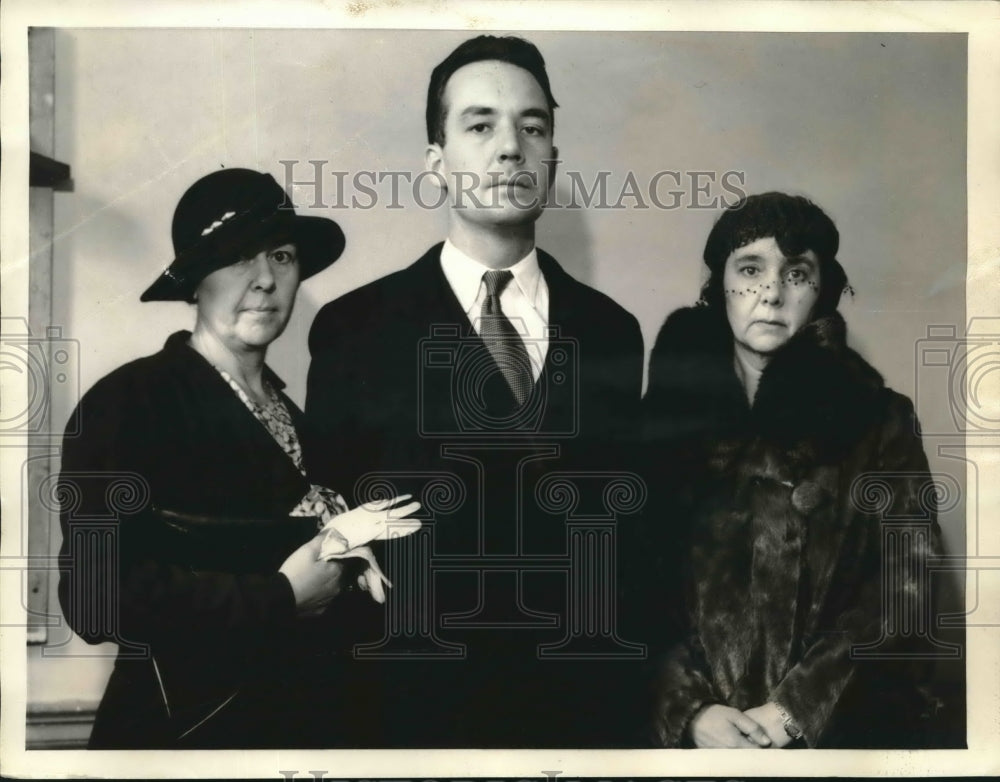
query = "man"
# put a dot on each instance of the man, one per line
(482, 379)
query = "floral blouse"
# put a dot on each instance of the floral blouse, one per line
(320, 501)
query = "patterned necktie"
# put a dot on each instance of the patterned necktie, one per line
(502, 339)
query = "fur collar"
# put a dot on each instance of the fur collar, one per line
(817, 396)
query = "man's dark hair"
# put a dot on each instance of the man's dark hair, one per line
(516, 51)
(796, 224)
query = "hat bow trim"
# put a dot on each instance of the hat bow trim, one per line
(218, 223)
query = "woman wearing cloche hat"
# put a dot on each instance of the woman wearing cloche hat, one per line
(783, 468)
(220, 579)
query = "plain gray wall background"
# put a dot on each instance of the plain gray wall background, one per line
(870, 126)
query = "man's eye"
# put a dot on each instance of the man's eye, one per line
(534, 130)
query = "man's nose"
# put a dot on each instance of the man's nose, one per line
(508, 143)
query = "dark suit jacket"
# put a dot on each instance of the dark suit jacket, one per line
(166, 432)
(403, 396)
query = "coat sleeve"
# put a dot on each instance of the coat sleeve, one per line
(682, 687)
(621, 375)
(608, 374)
(112, 588)
(336, 446)
(682, 681)
(901, 480)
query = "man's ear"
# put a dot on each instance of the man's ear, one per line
(434, 162)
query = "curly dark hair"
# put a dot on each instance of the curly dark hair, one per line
(511, 49)
(796, 224)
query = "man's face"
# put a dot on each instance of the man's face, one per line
(497, 158)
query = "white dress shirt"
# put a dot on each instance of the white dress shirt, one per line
(524, 300)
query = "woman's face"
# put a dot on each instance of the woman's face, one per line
(247, 304)
(769, 296)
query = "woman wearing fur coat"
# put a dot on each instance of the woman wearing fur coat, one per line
(803, 500)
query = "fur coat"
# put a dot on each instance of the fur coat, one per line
(811, 514)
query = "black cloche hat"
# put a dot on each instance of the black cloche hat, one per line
(232, 210)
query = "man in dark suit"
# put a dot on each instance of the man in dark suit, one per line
(503, 392)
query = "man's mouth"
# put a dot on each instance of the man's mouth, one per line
(522, 182)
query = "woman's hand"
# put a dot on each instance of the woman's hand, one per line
(718, 726)
(315, 582)
(368, 522)
(770, 719)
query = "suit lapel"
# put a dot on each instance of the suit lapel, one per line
(442, 301)
(563, 355)
(437, 307)
(562, 313)
(455, 395)
(434, 301)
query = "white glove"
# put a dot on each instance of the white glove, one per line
(346, 536)
(373, 580)
(368, 522)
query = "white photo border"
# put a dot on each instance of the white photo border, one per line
(980, 20)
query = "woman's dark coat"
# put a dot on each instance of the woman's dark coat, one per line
(811, 515)
(166, 432)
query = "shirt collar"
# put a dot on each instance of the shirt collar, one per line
(465, 274)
